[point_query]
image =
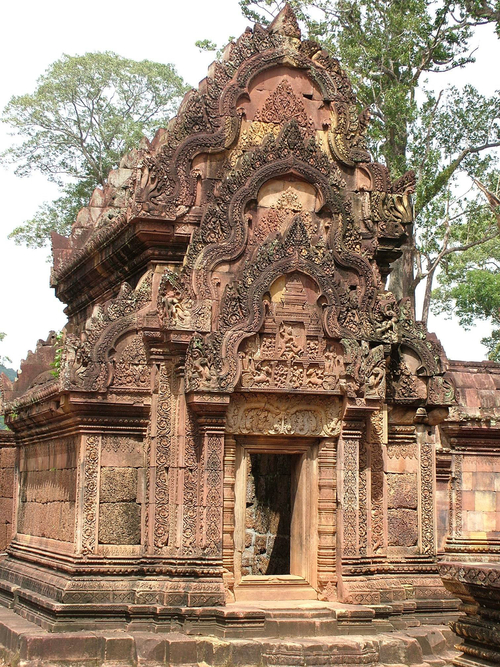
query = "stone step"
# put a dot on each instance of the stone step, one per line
(23, 643)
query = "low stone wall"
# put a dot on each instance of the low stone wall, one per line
(7, 460)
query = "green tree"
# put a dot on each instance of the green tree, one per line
(9, 372)
(389, 48)
(84, 114)
(469, 283)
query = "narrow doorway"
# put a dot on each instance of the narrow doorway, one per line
(276, 520)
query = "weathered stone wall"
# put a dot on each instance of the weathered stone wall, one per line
(402, 494)
(47, 473)
(268, 515)
(471, 440)
(121, 490)
(481, 496)
(7, 462)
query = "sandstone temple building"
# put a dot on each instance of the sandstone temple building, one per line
(239, 417)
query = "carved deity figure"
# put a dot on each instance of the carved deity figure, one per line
(263, 374)
(177, 311)
(74, 358)
(314, 377)
(289, 347)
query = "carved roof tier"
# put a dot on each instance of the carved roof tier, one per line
(252, 238)
(158, 196)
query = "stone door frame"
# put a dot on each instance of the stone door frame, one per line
(303, 578)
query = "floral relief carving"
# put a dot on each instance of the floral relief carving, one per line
(90, 494)
(280, 415)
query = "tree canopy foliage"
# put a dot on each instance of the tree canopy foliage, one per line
(84, 114)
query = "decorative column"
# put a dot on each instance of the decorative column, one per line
(228, 513)
(348, 467)
(88, 485)
(327, 518)
(210, 411)
(426, 486)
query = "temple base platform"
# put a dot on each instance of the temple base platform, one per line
(269, 633)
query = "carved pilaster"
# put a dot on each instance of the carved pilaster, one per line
(456, 519)
(210, 413)
(427, 492)
(228, 512)
(378, 484)
(162, 444)
(327, 518)
(90, 508)
(213, 445)
(349, 444)
(364, 500)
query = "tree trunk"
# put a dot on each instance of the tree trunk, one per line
(426, 306)
(401, 279)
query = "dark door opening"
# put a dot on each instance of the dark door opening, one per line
(268, 514)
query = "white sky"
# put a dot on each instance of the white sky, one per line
(35, 34)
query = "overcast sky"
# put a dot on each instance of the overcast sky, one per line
(36, 34)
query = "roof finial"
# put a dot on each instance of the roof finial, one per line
(286, 23)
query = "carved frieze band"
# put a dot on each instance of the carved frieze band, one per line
(90, 494)
(402, 442)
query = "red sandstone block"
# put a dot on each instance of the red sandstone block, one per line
(7, 457)
(483, 481)
(469, 463)
(489, 399)
(464, 380)
(484, 381)
(484, 464)
(150, 648)
(180, 649)
(474, 521)
(213, 652)
(3, 537)
(71, 646)
(244, 652)
(6, 505)
(469, 500)
(490, 522)
(6, 483)
(119, 648)
(471, 398)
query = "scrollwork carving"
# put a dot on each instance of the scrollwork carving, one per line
(279, 415)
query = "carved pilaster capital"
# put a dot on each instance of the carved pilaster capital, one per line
(210, 410)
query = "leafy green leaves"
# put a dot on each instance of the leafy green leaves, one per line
(86, 112)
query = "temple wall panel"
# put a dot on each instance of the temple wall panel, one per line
(121, 492)
(48, 489)
(7, 464)
(481, 496)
